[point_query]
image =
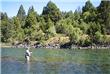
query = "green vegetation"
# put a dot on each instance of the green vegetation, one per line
(88, 26)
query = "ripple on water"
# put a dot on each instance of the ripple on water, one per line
(21, 67)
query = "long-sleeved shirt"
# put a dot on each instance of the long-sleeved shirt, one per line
(27, 53)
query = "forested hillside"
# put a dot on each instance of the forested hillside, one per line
(86, 26)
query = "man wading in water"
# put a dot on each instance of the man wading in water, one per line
(27, 54)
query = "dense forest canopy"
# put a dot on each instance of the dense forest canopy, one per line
(91, 25)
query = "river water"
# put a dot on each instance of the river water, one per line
(52, 61)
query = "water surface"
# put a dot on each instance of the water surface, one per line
(52, 61)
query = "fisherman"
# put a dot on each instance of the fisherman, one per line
(27, 54)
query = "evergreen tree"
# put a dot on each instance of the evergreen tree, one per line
(50, 27)
(42, 24)
(18, 32)
(51, 11)
(104, 15)
(89, 12)
(31, 9)
(6, 28)
(77, 15)
(31, 19)
(21, 13)
(69, 14)
(84, 28)
(31, 22)
(31, 25)
(4, 16)
(88, 7)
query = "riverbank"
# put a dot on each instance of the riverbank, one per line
(53, 46)
(5, 45)
(89, 47)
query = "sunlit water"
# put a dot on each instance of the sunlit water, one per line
(53, 61)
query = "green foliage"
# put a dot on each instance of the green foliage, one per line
(86, 27)
(89, 12)
(42, 24)
(88, 7)
(93, 28)
(85, 40)
(65, 26)
(75, 35)
(31, 19)
(31, 23)
(5, 28)
(104, 15)
(51, 11)
(102, 39)
(4, 16)
(21, 13)
(31, 28)
(50, 27)
(68, 14)
(17, 31)
(62, 25)
(77, 14)
(98, 37)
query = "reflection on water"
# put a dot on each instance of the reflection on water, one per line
(21, 67)
(28, 67)
(79, 65)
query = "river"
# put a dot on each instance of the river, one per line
(55, 61)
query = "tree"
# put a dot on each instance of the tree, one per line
(51, 11)
(21, 13)
(31, 26)
(89, 12)
(31, 19)
(50, 27)
(104, 15)
(83, 26)
(68, 14)
(18, 32)
(31, 23)
(77, 14)
(31, 9)
(42, 24)
(93, 28)
(75, 35)
(63, 25)
(98, 37)
(4, 16)
(6, 28)
(88, 7)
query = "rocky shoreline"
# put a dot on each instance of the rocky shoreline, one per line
(55, 46)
